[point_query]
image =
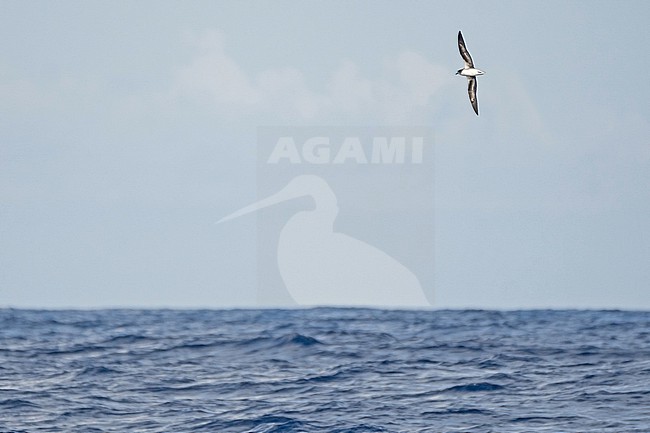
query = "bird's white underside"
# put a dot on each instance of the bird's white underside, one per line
(471, 72)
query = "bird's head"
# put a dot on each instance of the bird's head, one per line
(458, 71)
(299, 186)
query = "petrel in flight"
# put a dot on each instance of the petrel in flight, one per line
(469, 71)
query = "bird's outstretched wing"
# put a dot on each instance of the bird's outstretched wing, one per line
(463, 51)
(471, 89)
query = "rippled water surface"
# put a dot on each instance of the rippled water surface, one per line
(324, 370)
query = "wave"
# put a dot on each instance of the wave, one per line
(324, 370)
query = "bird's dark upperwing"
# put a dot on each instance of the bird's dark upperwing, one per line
(471, 89)
(463, 51)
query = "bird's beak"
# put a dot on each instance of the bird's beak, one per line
(283, 195)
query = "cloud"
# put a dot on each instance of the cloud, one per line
(515, 108)
(400, 91)
(419, 78)
(214, 75)
(285, 91)
(404, 86)
(348, 90)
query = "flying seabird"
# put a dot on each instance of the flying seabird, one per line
(469, 71)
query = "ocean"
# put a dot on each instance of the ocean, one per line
(324, 370)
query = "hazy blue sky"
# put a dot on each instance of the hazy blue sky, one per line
(128, 128)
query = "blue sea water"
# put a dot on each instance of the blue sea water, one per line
(324, 370)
